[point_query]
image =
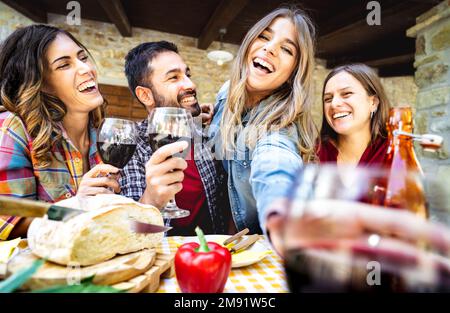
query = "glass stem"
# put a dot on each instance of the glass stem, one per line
(171, 205)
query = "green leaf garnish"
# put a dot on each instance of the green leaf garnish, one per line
(18, 279)
(82, 288)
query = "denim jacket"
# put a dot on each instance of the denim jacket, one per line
(258, 176)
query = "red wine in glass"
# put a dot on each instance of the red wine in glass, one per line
(116, 141)
(116, 154)
(159, 140)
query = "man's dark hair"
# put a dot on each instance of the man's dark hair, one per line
(138, 59)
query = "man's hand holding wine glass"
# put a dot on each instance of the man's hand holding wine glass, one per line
(168, 125)
(164, 174)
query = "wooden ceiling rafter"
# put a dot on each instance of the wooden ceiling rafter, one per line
(117, 15)
(394, 49)
(389, 61)
(403, 69)
(391, 16)
(27, 8)
(223, 15)
(349, 15)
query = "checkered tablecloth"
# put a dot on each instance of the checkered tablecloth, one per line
(264, 276)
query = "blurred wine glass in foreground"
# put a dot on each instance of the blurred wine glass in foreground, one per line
(336, 240)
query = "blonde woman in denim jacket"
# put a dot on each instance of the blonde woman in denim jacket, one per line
(262, 127)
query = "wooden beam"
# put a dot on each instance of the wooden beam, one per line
(386, 13)
(350, 15)
(395, 60)
(404, 69)
(398, 65)
(30, 9)
(380, 62)
(345, 39)
(353, 14)
(116, 14)
(402, 65)
(383, 49)
(224, 14)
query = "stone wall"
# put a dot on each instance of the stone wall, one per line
(109, 49)
(432, 62)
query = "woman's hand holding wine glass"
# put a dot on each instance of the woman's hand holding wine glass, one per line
(97, 181)
(116, 143)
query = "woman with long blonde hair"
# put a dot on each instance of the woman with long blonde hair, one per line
(50, 109)
(262, 127)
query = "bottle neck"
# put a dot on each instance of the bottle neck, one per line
(401, 119)
(401, 151)
(399, 125)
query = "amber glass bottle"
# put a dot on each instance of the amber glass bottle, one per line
(404, 188)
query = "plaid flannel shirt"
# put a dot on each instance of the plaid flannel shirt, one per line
(21, 177)
(132, 179)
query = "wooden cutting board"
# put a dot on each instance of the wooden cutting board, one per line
(149, 280)
(118, 269)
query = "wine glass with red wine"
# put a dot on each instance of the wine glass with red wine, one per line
(167, 125)
(326, 250)
(116, 141)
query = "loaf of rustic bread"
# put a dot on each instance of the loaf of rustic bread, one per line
(97, 235)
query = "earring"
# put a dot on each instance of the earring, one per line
(371, 115)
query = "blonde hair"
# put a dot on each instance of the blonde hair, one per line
(22, 65)
(289, 105)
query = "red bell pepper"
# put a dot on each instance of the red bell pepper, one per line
(202, 268)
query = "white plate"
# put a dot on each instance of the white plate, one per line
(252, 255)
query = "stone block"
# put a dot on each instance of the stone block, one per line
(105, 63)
(400, 90)
(426, 60)
(443, 175)
(421, 122)
(429, 19)
(437, 191)
(439, 112)
(433, 97)
(428, 75)
(441, 40)
(420, 45)
(440, 125)
(432, 12)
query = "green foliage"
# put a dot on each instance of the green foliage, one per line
(86, 286)
(18, 279)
